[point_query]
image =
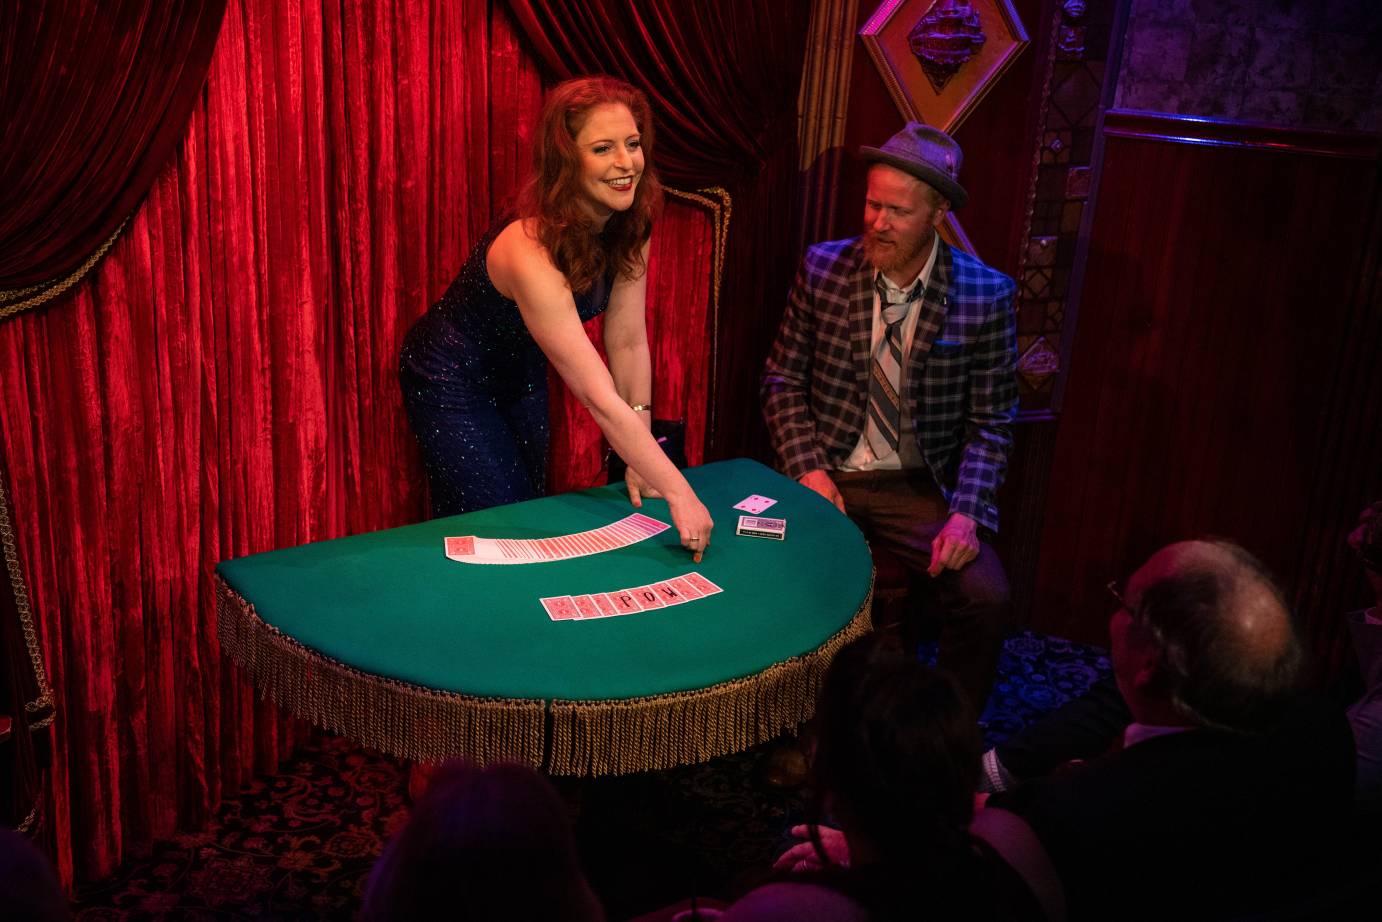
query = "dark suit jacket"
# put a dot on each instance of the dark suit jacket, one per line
(961, 371)
(1202, 824)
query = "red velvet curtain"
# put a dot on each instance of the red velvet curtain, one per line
(225, 382)
(723, 77)
(94, 97)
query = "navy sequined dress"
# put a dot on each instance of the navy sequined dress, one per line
(475, 387)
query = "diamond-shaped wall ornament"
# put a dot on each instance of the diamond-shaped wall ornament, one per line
(939, 57)
(1038, 361)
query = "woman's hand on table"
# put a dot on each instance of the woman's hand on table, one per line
(638, 488)
(692, 521)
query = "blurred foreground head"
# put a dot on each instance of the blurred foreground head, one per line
(483, 844)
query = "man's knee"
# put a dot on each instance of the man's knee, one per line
(981, 587)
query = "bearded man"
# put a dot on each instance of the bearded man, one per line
(891, 391)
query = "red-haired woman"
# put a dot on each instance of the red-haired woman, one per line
(474, 368)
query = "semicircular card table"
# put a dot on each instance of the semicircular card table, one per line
(606, 651)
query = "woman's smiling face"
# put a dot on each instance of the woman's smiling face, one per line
(611, 159)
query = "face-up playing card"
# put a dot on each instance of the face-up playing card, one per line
(624, 601)
(646, 597)
(561, 608)
(669, 594)
(755, 504)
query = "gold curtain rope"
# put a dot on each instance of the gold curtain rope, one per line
(47, 291)
(26, 614)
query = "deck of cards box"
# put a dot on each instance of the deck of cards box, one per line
(754, 526)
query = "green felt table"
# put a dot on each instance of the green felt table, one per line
(462, 659)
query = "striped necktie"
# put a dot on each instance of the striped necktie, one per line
(885, 406)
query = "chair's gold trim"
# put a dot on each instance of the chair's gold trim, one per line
(17, 300)
(720, 204)
(585, 737)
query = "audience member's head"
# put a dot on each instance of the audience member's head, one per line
(1366, 541)
(492, 843)
(1205, 638)
(897, 755)
(29, 889)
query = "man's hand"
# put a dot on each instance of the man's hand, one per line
(820, 481)
(804, 857)
(955, 546)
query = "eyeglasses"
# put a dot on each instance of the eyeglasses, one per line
(1113, 591)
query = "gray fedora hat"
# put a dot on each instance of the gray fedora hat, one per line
(927, 153)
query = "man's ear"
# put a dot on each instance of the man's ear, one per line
(1149, 675)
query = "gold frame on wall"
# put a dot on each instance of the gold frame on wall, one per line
(885, 36)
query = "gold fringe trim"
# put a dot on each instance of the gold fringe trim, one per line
(648, 734)
(587, 737)
(49, 290)
(720, 204)
(407, 720)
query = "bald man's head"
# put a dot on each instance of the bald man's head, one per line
(1228, 651)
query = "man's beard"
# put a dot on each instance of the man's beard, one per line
(891, 258)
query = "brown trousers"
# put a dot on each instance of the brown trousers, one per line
(903, 511)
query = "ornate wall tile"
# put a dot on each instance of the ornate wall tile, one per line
(1077, 183)
(1041, 251)
(1036, 284)
(1056, 147)
(1046, 216)
(1082, 141)
(1070, 218)
(949, 36)
(939, 58)
(1070, 42)
(1037, 361)
(1077, 95)
(1060, 282)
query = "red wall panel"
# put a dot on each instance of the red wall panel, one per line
(1225, 289)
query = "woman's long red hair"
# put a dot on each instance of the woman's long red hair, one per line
(552, 197)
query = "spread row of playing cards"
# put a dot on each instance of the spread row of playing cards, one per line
(628, 530)
(629, 601)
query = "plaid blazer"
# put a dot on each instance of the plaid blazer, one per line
(961, 371)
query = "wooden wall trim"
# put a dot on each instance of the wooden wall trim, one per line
(1216, 132)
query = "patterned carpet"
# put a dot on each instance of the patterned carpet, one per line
(299, 844)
